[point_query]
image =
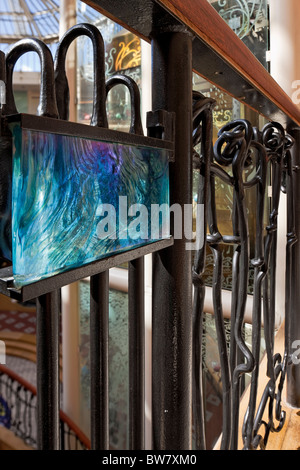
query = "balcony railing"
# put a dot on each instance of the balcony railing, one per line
(19, 413)
(189, 36)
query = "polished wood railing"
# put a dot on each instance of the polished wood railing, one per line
(240, 73)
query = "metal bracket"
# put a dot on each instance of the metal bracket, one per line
(44, 286)
(161, 125)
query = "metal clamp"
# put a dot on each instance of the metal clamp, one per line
(161, 125)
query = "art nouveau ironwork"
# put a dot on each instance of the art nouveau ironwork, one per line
(179, 127)
(238, 146)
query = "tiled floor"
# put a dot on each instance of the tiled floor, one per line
(18, 317)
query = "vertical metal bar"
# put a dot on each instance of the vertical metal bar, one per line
(235, 276)
(47, 337)
(198, 379)
(62, 435)
(214, 241)
(259, 273)
(270, 280)
(202, 133)
(99, 330)
(293, 370)
(222, 346)
(172, 268)
(198, 307)
(136, 327)
(291, 241)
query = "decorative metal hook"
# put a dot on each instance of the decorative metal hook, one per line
(99, 117)
(47, 106)
(136, 122)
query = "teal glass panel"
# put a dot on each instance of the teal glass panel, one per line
(76, 200)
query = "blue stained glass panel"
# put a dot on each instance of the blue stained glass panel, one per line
(76, 200)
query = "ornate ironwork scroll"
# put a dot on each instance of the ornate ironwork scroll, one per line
(278, 145)
(240, 146)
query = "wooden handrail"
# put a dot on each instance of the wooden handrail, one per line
(63, 417)
(17, 378)
(208, 25)
(219, 55)
(77, 431)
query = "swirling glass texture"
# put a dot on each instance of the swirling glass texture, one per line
(66, 192)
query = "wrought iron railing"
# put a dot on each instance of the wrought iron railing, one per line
(239, 146)
(18, 405)
(187, 36)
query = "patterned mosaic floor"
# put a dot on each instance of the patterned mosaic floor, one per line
(24, 322)
(18, 318)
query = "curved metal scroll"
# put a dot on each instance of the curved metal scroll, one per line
(278, 145)
(233, 148)
(237, 147)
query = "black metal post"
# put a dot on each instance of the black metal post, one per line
(62, 435)
(99, 330)
(293, 370)
(48, 398)
(172, 268)
(136, 330)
